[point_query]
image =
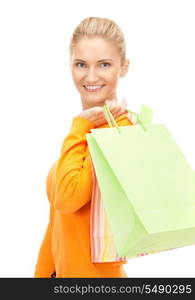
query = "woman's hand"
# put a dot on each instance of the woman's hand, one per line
(96, 113)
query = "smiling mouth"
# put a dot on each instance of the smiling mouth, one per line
(94, 88)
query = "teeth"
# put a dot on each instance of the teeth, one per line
(93, 87)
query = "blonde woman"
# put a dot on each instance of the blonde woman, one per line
(97, 61)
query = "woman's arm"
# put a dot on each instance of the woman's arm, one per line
(73, 172)
(45, 265)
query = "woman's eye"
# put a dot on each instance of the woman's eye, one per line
(79, 64)
(105, 64)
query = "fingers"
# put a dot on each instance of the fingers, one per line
(110, 102)
(116, 108)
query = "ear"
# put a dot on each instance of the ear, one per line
(125, 68)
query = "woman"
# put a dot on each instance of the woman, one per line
(97, 61)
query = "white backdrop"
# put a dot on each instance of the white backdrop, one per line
(39, 100)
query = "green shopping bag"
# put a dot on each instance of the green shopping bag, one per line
(147, 185)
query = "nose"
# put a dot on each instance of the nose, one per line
(91, 75)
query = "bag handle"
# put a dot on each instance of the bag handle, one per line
(144, 118)
(109, 117)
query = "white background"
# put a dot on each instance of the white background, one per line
(39, 100)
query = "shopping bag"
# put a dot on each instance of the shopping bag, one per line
(147, 186)
(103, 248)
(102, 244)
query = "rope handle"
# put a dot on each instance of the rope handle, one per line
(143, 119)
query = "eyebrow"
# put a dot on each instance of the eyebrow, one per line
(77, 59)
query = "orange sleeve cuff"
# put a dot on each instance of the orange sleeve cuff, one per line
(81, 125)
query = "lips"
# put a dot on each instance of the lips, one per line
(94, 88)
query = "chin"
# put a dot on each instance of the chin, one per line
(94, 99)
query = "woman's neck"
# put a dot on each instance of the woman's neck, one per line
(86, 105)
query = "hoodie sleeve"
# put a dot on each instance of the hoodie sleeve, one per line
(73, 172)
(45, 264)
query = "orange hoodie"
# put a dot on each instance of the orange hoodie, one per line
(65, 248)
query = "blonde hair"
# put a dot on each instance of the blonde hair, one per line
(103, 27)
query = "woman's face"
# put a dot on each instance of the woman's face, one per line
(96, 63)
